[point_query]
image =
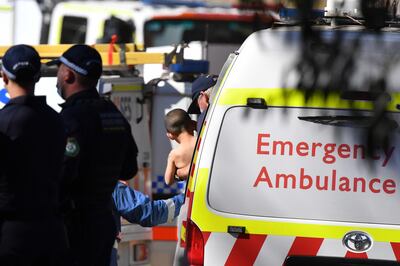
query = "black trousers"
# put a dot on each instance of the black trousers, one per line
(33, 243)
(91, 236)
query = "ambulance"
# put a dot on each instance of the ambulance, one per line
(282, 176)
(154, 23)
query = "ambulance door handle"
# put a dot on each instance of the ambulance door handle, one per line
(141, 103)
(236, 229)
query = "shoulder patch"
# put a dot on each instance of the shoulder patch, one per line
(72, 147)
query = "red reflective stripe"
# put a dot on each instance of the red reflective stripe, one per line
(165, 233)
(182, 241)
(206, 235)
(192, 170)
(245, 250)
(305, 246)
(396, 250)
(189, 195)
(198, 144)
(353, 255)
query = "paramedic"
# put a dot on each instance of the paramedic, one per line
(137, 208)
(32, 150)
(100, 150)
(201, 90)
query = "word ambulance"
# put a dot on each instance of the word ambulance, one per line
(329, 153)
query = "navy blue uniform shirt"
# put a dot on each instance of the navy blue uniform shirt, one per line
(100, 148)
(32, 143)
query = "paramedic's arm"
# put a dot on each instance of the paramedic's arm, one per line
(129, 166)
(171, 169)
(137, 208)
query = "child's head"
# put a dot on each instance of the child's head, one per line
(177, 121)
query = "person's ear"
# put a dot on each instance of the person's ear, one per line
(207, 97)
(170, 136)
(199, 97)
(5, 78)
(69, 76)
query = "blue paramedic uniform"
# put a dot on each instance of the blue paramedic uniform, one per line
(137, 208)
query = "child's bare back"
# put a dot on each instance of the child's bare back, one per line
(179, 128)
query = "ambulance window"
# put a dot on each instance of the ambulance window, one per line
(275, 163)
(73, 30)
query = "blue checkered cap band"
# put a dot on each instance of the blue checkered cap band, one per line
(11, 75)
(74, 67)
(8, 73)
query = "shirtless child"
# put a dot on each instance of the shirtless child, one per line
(180, 128)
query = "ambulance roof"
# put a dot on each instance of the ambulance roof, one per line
(279, 50)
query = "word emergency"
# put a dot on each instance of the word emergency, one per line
(329, 154)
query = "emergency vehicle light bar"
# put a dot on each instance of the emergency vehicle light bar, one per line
(191, 66)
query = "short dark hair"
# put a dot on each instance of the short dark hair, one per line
(177, 121)
(86, 82)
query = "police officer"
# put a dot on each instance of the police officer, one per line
(201, 90)
(100, 150)
(32, 147)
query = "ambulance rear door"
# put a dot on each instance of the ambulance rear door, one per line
(283, 174)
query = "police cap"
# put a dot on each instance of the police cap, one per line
(83, 59)
(202, 83)
(22, 63)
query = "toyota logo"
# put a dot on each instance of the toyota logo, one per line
(357, 241)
